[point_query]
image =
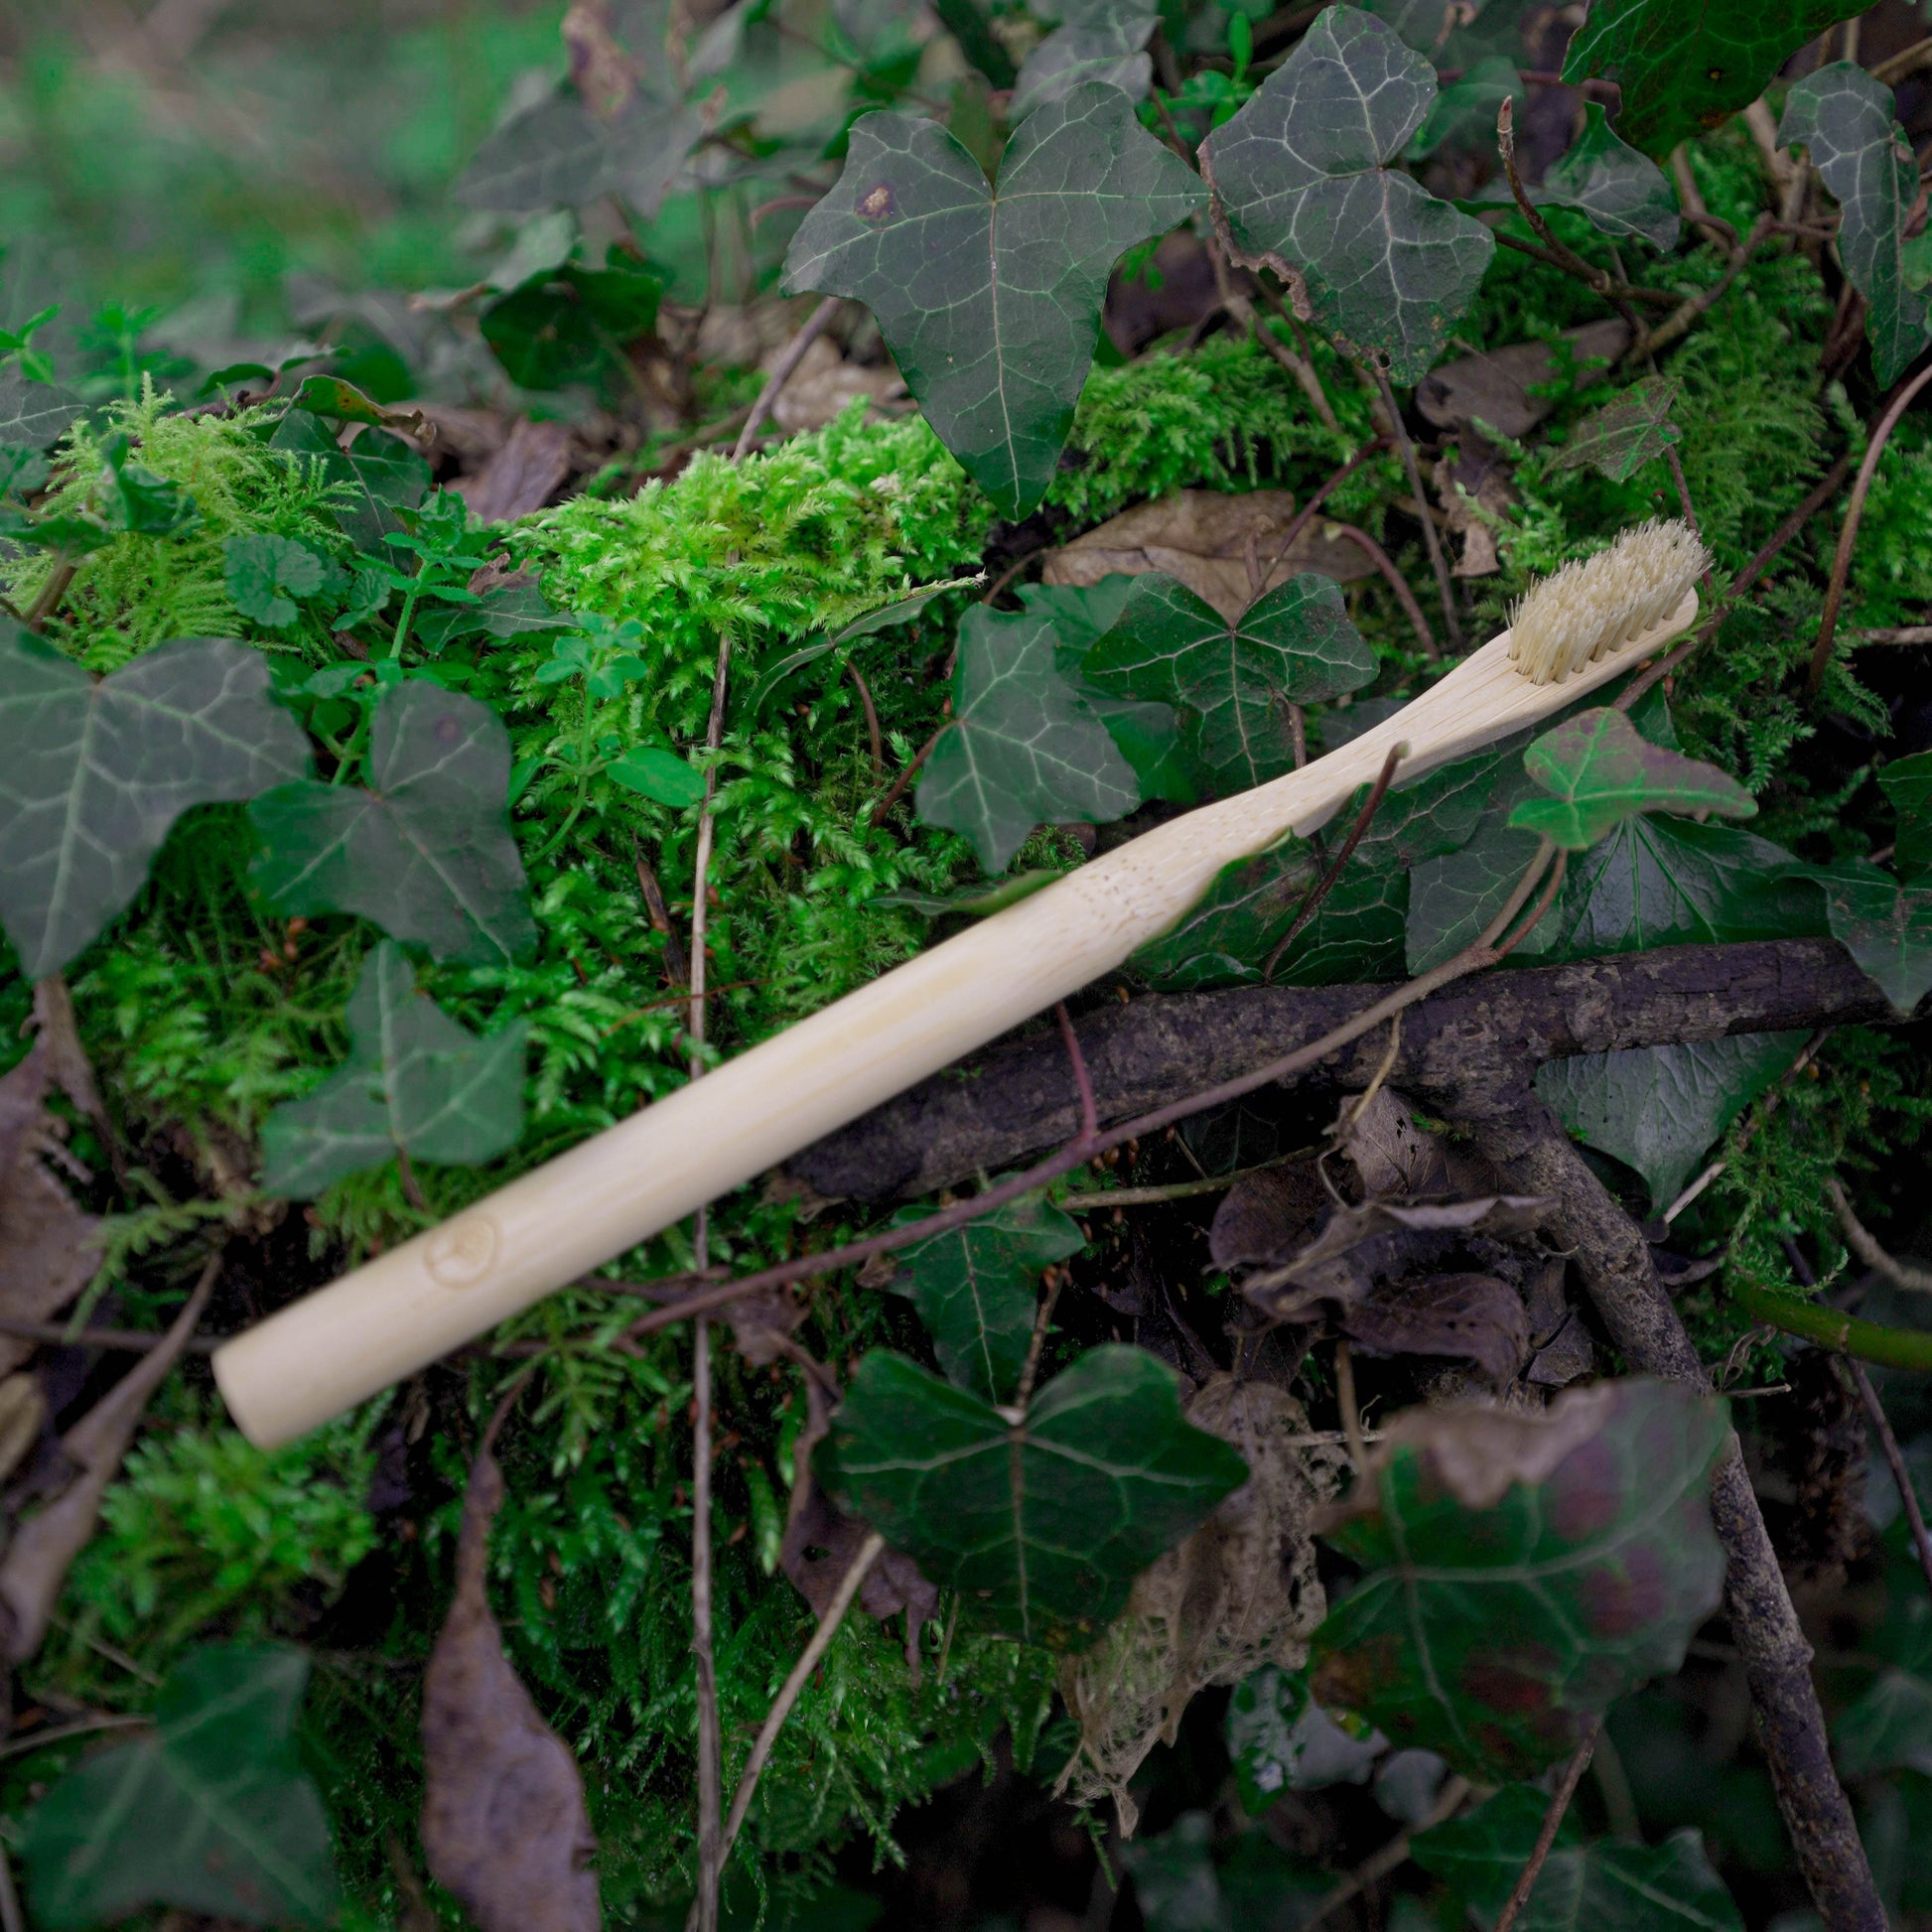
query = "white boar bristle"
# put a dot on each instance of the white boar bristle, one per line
(1599, 603)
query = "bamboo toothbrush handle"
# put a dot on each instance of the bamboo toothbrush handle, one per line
(444, 1287)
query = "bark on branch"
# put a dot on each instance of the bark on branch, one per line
(1476, 1036)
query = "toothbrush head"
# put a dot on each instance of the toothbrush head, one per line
(1591, 607)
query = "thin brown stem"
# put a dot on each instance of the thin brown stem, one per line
(1864, 1244)
(1037, 1345)
(412, 1191)
(1678, 323)
(783, 371)
(675, 964)
(1551, 1823)
(131, 1342)
(1082, 1079)
(1630, 292)
(1301, 520)
(1351, 1409)
(1102, 1199)
(1482, 952)
(1395, 579)
(1820, 654)
(873, 734)
(883, 810)
(1391, 1857)
(1324, 886)
(1895, 1462)
(50, 594)
(1431, 543)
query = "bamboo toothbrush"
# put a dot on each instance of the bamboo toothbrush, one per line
(406, 1307)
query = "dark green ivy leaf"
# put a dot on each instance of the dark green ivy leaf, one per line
(1908, 783)
(1465, 112)
(1684, 66)
(414, 1081)
(558, 154)
(36, 414)
(1612, 1886)
(210, 1812)
(22, 469)
(571, 325)
(1617, 440)
(266, 574)
(778, 671)
(1524, 1573)
(1303, 174)
(378, 474)
(976, 1287)
(989, 298)
(1042, 1523)
(1844, 117)
(1096, 39)
(1884, 925)
(1023, 745)
(93, 773)
(1658, 1109)
(1889, 1728)
(427, 854)
(517, 611)
(1623, 192)
(1233, 681)
(1601, 771)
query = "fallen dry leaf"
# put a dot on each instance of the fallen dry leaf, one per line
(1474, 488)
(1240, 1592)
(521, 475)
(824, 382)
(821, 1542)
(45, 1544)
(1264, 1216)
(1496, 388)
(1560, 1338)
(1392, 1156)
(49, 1248)
(504, 1822)
(763, 1325)
(1469, 1317)
(1203, 537)
(23, 1414)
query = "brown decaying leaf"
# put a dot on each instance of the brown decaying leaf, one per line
(1476, 1453)
(46, 1542)
(521, 475)
(1392, 1156)
(1266, 1215)
(1478, 481)
(1565, 1351)
(504, 1822)
(821, 1541)
(48, 1246)
(763, 1325)
(1496, 388)
(23, 1415)
(67, 1059)
(1203, 538)
(603, 75)
(1470, 1318)
(824, 382)
(1240, 1592)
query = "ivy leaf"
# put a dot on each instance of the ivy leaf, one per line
(1096, 39)
(1302, 173)
(1617, 440)
(976, 1287)
(1886, 927)
(36, 414)
(414, 1082)
(1233, 680)
(1623, 192)
(517, 611)
(1844, 117)
(1603, 772)
(1908, 783)
(93, 773)
(567, 326)
(1685, 65)
(212, 1813)
(138, 501)
(22, 469)
(558, 154)
(1280, 1740)
(378, 474)
(1023, 744)
(1889, 1728)
(427, 854)
(1524, 1574)
(989, 298)
(658, 774)
(265, 574)
(1042, 1523)
(1657, 1109)
(1613, 1886)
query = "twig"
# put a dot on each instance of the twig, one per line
(883, 810)
(1390, 1858)
(1431, 543)
(1324, 886)
(36, 1740)
(412, 1191)
(1036, 1344)
(1820, 654)
(1648, 342)
(1491, 946)
(50, 592)
(1082, 1079)
(133, 1341)
(1819, 495)
(1862, 1243)
(1351, 1411)
(1102, 1199)
(1302, 517)
(782, 372)
(1552, 1821)
(801, 1674)
(11, 1919)
(872, 737)
(1895, 1462)
(1404, 595)
(710, 1744)
(1846, 1335)
(660, 918)
(1894, 67)
(1629, 291)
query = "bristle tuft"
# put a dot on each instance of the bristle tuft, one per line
(1594, 606)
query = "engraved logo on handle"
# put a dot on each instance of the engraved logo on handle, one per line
(459, 1253)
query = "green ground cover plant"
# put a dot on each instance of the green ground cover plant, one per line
(433, 730)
